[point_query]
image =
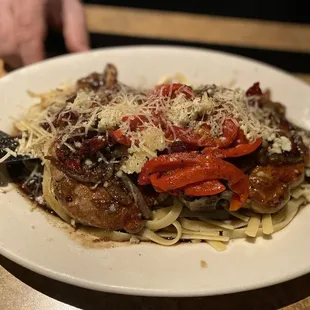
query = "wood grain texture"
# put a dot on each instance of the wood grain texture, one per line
(198, 28)
(23, 289)
(301, 305)
(2, 71)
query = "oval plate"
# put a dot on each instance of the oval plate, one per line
(31, 239)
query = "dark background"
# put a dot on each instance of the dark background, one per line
(284, 11)
(290, 11)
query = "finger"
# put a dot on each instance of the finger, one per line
(54, 12)
(8, 44)
(30, 29)
(74, 26)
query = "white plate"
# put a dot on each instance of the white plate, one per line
(30, 239)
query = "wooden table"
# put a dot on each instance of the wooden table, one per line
(285, 45)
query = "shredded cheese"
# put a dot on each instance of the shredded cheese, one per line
(280, 144)
(211, 106)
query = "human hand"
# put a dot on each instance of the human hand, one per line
(23, 25)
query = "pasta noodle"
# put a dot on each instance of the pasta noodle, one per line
(253, 225)
(167, 220)
(217, 223)
(199, 226)
(217, 245)
(49, 197)
(197, 231)
(290, 210)
(173, 238)
(267, 224)
(240, 216)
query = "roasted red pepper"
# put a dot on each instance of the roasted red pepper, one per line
(203, 136)
(205, 188)
(241, 138)
(241, 192)
(237, 151)
(120, 137)
(195, 174)
(165, 163)
(172, 90)
(135, 121)
(254, 90)
(230, 132)
(192, 138)
(92, 146)
(73, 164)
(209, 169)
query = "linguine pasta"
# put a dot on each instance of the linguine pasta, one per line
(195, 229)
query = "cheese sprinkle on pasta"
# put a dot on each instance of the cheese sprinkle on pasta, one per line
(211, 104)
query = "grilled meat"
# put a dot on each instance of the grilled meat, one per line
(270, 186)
(96, 206)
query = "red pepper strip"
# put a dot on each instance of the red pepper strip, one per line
(120, 137)
(138, 121)
(91, 146)
(176, 180)
(165, 163)
(204, 138)
(241, 192)
(73, 164)
(135, 121)
(208, 169)
(239, 150)
(159, 120)
(184, 169)
(61, 154)
(171, 90)
(230, 132)
(205, 188)
(241, 138)
(193, 138)
(174, 161)
(254, 90)
(235, 203)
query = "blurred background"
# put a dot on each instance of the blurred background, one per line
(271, 10)
(276, 32)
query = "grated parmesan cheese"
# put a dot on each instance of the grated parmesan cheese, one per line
(280, 145)
(150, 140)
(213, 106)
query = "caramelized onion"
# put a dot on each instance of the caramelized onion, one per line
(137, 196)
(100, 173)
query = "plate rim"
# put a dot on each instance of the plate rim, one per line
(142, 292)
(155, 46)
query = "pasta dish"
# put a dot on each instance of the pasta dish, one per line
(169, 164)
